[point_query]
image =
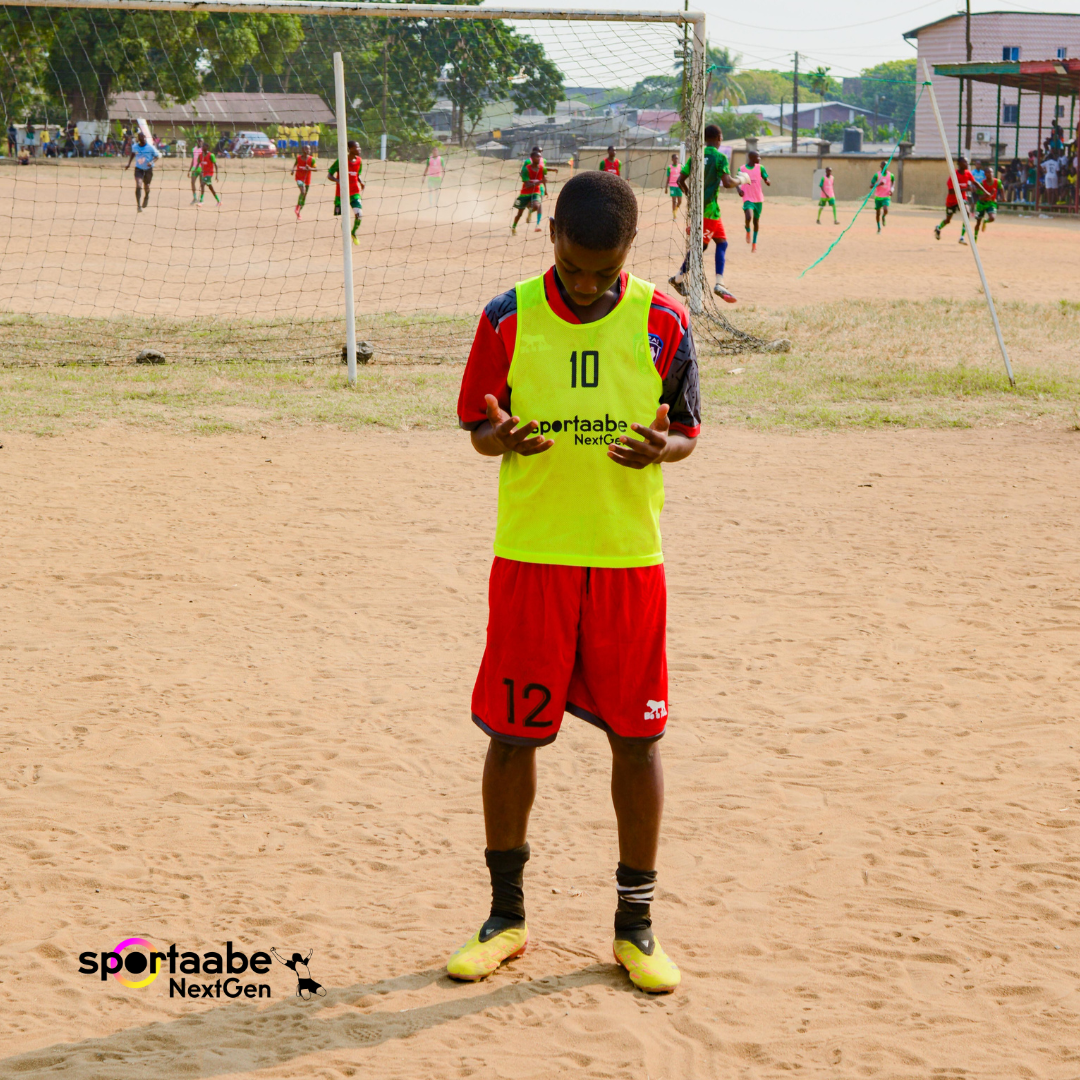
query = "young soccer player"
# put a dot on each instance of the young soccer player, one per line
(673, 186)
(602, 375)
(193, 172)
(753, 196)
(965, 179)
(302, 170)
(828, 195)
(144, 154)
(611, 163)
(354, 166)
(717, 175)
(434, 173)
(882, 182)
(986, 197)
(207, 171)
(533, 176)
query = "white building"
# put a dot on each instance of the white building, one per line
(995, 36)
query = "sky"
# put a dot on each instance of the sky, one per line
(844, 35)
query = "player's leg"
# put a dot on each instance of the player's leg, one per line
(719, 237)
(820, 207)
(202, 187)
(757, 225)
(539, 214)
(884, 212)
(949, 211)
(622, 687)
(748, 211)
(518, 701)
(210, 185)
(138, 190)
(522, 205)
(358, 215)
(194, 173)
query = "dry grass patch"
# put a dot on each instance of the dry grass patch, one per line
(853, 363)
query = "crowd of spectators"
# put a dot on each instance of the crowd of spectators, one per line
(1052, 173)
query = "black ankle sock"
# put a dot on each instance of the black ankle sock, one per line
(633, 921)
(507, 892)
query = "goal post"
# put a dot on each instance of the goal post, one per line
(391, 250)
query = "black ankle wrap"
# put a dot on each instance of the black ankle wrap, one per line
(633, 921)
(507, 893)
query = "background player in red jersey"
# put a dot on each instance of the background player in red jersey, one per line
(611, 163)
(207, 170)
(302, 170)
(533, 177)
(963, 175)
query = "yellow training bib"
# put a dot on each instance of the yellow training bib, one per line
(584, 384)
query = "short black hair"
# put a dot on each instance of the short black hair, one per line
(712, 131)
(597, 210)
(536, 150)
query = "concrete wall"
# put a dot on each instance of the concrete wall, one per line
(1038, 37)
(919, 179)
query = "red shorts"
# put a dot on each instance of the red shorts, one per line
(714, 229)
(582, 640)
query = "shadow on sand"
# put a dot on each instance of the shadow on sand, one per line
(241, 1038)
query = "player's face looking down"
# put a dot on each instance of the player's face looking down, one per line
(587, 274)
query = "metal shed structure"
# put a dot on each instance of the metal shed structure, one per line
(1054, 82)
(222, 110)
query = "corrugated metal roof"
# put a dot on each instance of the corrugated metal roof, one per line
(223, 108)
(1053, 77)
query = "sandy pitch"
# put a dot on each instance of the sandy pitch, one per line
(870, 851)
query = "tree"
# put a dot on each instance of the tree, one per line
(656, 92)
(720, 65)
(889, 88)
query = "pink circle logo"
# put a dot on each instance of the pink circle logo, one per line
(135, 963)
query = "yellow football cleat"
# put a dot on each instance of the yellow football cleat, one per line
(477, 959)
(655, 974)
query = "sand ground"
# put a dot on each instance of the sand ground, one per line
(234, 681)
(73, 244)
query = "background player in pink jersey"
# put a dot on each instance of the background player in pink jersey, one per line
(828, 196)
(673, 186)
(753, 196)
(882, 183)
(193, 172)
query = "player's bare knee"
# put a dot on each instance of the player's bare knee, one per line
(635, 752)
(504, 755)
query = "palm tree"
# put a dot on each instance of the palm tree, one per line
(720, 65)
(819, 82)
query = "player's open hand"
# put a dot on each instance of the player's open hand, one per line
(635, 453)
(508, 437)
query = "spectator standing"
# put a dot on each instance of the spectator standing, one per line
(12, 140)
(31, 138)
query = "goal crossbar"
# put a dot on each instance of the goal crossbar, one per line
(387, 11)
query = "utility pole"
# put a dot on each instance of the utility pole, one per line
(795, 110)
(967, 37)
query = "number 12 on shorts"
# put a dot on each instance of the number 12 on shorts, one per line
(590, 376)
(526, 694)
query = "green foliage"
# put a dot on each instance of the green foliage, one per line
(656, 92)
(723, 87)
(734, 125)
(772, 87)
(893, 84)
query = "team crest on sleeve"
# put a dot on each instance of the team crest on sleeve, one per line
(656, 344)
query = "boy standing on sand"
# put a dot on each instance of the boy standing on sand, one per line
(828, 195)
(673, 186)
(882, 183)
(354, 166)
(753, 195)
(589, 357)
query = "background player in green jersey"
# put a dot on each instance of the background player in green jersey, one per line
(717, 175)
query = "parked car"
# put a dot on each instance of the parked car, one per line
(254, 144)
